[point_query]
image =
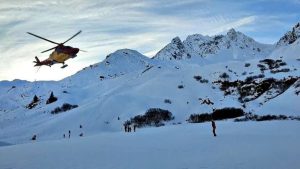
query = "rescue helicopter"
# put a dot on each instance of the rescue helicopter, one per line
(60, 54)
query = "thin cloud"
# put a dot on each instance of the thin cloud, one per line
(235, 24)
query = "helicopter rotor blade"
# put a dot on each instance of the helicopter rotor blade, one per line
(42, 38)
(48, 49)
(72, 36)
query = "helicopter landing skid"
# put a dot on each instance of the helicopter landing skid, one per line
(64, 66)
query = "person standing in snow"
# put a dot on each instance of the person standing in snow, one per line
(69, 133)
(33, 137)
(213, 125)
(125, 127)
(134, 127)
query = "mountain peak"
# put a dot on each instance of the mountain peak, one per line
(232, 33)
(233, 43)
(232, 30)
(114, 65)
(290, 37)
(123, 52)
(174, 50)
(176, 40)
(296, 28)
(124, 58)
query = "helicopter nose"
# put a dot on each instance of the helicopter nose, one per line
(76, 50)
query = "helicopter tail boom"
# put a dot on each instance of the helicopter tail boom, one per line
(46, 62)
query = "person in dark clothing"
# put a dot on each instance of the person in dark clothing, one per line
(213, 125)
(33, 137)
(64, 136)
(129, 129)
(125, 128)
(80, 126)
(134, 127)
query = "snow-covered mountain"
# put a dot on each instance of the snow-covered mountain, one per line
(220, 48)
(230, 70)
(174, 50)
(288, 46)
(290, 37)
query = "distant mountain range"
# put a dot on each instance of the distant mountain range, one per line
(231, 70)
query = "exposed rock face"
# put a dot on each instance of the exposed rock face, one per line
(174, 50)
(290, 37)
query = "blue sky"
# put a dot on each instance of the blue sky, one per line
(143, 25)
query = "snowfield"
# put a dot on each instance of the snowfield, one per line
(231, 70)
(101, 102)
(244, 145)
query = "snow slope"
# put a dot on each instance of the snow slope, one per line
(238, 145)
(127, 84)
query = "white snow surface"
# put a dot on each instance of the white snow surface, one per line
(127, 84)
(188, 146)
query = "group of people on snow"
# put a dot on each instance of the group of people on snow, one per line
(69, 133)
(129, 127)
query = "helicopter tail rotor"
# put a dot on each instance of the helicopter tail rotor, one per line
(37, 60)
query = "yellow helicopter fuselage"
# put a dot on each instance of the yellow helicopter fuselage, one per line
(59, 57)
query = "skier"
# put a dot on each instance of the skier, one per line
(213, 125)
